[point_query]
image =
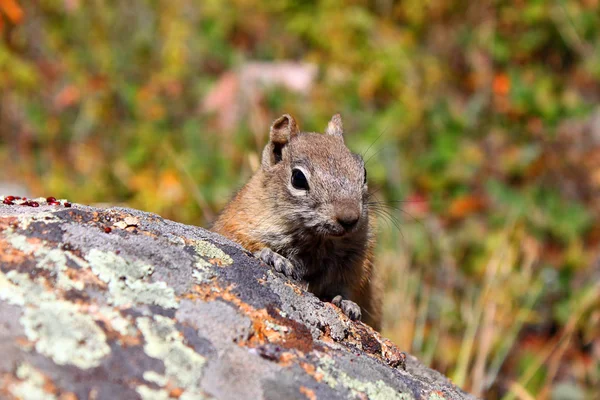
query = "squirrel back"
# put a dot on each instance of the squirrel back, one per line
(309, 203)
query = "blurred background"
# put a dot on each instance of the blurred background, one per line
(480, 122)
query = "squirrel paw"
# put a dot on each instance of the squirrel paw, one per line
(350, 308)
(277, 261)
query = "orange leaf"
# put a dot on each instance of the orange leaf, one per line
(12, 10)
(97, 83)
(501, 84)
(68, 96)
(465, 205)
(170, 188)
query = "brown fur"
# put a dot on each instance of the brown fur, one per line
(306, 226)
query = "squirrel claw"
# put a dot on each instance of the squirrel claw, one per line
(348, 307)
(277, 261)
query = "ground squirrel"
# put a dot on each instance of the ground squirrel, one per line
(305, 212)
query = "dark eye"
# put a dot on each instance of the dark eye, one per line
(299, 180)
(365, 173)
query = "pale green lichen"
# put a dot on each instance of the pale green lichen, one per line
(195, 396)
(118, 322)
(436, 396)
(49, 259)
(147, 393)
(276, 327)
(210, 251)
(42, 216)
(60, 331)
(155, 377)
(203, 272)
(127, 280)
(108, 265)
(10, 292)
(163, 341)
(18, 289)
(57, 328)
(157, 293)
(31, 385)
(175, 240)
(20, 242)
(377, 390)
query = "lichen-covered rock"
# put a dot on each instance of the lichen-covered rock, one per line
(118, 303)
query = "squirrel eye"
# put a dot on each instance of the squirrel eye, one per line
(299, 181)
(365, 174)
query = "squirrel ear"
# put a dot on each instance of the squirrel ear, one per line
(335, 126)
(283, 130)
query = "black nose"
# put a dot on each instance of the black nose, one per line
(347, 218)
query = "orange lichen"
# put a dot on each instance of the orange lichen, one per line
(112, 334)
(293, 335)
(217, 262)
(311, 370)
(68, 396)
(287, 358)
(176, 392)
(86, 276)
(10, 255)
(49, 386)
(24, 343)
(259, 318)
(295, 288)
(309, 393)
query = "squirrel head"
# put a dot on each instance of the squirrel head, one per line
(314, 181)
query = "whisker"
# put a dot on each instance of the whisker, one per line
(372, 193)
(375, 141)
(406, 201)
(374, 154)
(388, 218)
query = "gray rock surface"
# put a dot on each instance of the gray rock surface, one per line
(121, 304)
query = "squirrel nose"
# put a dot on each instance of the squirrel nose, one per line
(348, 217)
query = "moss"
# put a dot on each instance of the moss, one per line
(377, 390)
(64, 334)
(210, 251)
(127, 280)
(163, 341)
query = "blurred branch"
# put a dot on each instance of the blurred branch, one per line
(568, 30)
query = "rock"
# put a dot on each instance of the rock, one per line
(118, 303)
